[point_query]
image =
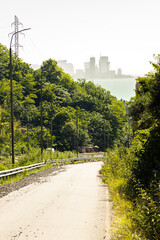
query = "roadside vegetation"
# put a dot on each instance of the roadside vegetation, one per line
(133, 173)
(30, 158)
(34, 156)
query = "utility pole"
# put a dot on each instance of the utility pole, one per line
(11, 91)
(41, 122)
(28, 136)
(108, 139)
(77, 137)
(51, 122)
(104, 137)
(16, 24)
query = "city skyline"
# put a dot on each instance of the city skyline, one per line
(76, 30)
(92, 69)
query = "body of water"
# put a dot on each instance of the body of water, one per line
(122, 88)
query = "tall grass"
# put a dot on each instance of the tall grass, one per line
(34, 156)
(116, 171)
(49, 155)
(136, 210)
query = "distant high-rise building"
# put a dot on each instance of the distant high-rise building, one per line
(119, 72)
(70, 69)
(87, 69)
(103, 66)
(90, 68)
(92, 71)
(67, 67)
(92, 65)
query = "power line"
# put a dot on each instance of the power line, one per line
(32, 49)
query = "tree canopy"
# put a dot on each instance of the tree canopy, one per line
(64, 101)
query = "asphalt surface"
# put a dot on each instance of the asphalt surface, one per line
(70, 204)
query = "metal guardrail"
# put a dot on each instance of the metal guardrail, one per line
(15, 171)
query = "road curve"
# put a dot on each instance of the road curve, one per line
(72, 205)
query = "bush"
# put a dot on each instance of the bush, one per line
(147, 206)
(116, 171)
(148, 163)
(33, 156)
(137, 208)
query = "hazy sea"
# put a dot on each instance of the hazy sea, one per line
(122, 88)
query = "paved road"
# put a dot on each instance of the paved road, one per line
(72, 205)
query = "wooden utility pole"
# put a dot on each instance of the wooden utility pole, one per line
(77, 137)
(104, 138)
(41, 122)
(51, 123)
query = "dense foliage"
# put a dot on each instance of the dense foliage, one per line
(135, 171)
(68, 107)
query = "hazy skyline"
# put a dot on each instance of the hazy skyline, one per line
(126, 31)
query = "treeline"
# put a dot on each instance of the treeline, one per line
(67, 105)
(136, 170)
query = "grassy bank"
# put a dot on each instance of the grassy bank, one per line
(136, 210)
(34, 156)
(116, 171)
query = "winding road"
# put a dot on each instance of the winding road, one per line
(71, 205)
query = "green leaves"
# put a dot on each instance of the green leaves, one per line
(100, 131)
(100, 116)
(51, 71)
(4, 62)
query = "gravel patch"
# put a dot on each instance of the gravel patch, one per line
(32, 178)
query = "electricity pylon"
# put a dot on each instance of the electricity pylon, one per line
(16, 24)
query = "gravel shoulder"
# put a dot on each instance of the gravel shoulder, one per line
(32, 178)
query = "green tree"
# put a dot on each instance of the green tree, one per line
(50, 71)
(99, 131)
(4, 62)
(68, 135)
(118, 118)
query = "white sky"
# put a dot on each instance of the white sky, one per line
(127, 31)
